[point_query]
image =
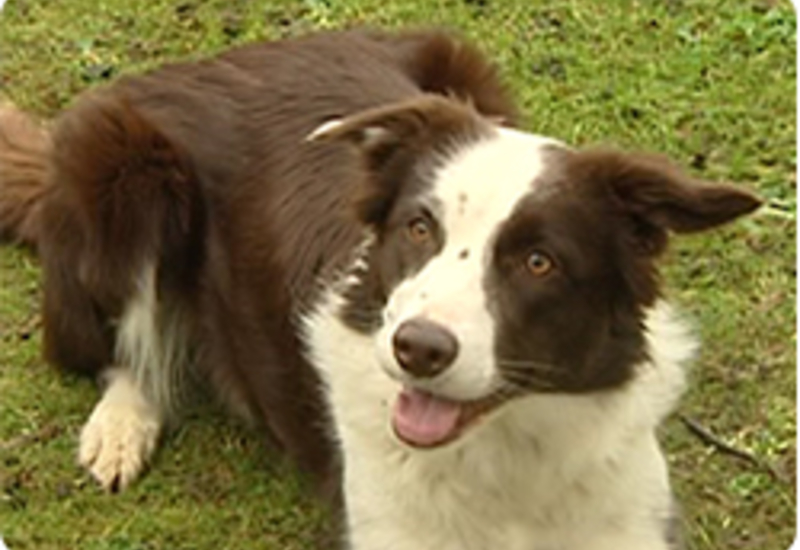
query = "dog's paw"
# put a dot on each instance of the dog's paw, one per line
(120, 436)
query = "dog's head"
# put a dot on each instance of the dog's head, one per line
(505, 263)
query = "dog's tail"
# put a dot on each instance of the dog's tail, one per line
(125, 217)
(134, 188)
(24, 150)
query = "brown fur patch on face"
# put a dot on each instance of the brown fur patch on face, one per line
(601, 218)
(577, 327)
(391, 258)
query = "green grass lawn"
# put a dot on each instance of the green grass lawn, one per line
(710, 82)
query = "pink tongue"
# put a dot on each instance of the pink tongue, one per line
(423, 420)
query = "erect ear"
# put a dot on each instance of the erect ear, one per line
(659, 197)
(392, 139)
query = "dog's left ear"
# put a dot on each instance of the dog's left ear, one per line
(658, 197)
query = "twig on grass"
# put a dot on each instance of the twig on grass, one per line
(707, 437)
(29, 327)
(46, 433)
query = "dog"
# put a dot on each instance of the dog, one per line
(452, 327)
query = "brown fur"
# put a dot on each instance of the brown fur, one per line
(23, 151)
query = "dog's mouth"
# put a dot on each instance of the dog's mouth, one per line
(421, 419)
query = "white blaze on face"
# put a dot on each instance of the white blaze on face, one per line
(478, 188)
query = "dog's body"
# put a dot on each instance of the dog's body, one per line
(339, 235)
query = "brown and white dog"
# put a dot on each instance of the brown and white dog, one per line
(456, 322)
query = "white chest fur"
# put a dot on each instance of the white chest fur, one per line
(547, 472)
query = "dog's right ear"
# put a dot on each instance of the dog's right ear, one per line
(392, 139)
(414, 124)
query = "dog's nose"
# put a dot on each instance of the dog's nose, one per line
(424, 348)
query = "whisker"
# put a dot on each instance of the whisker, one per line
(522, 364)
(525, 380)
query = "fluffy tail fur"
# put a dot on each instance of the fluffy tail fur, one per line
(24, 148)
(125, 199)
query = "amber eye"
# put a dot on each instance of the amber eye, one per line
(419, 231)
(539, 264)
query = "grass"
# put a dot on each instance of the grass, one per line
(710, 82)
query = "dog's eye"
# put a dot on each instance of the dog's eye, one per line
(539, 264)
(419, 231)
